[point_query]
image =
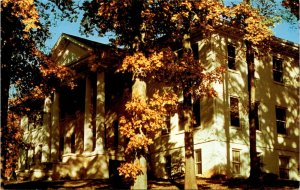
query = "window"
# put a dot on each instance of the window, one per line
(236, 162)
(231, 56)
(284, 167)
(168, 166)
(61, 147)
(198, 156)
(39, 154)
(277, 70)
(167, 126)
(73, 142)
(116, 133)
(234, 112)
(195, 49)
(196, 112)
(281, 120)
(256, 118)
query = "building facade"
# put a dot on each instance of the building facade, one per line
(76, 135)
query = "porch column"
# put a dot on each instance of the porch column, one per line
(100, 113)
(54, 134)
(88, 128)
(47, 128)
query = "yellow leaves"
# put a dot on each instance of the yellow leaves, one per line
(143, 120)
(130, 170)
(138, 142)
(140, 65)
(50, 69)
(26, 11)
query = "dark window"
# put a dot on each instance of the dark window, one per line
(256, 115)
(236, 161)
(281, 120)
(116, 134)
(231, 57)
(73, 142)
(196, 112)
(26, 158)
(187, 100)
(198, 162)
(39, 154)
(61, 146)
(195, 51)
(277, 70)
(234, 112)
(284, 167)
(168, 166)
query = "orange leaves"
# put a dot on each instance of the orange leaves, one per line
(11, 142)
(49, 69)
(26, 11)
(143, 120)
(130, 170)
(138, 142)
(140, 65)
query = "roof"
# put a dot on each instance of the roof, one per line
(92, 44)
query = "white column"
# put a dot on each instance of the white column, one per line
(54, 134)
(100, 113)
(47, 128)
(88, 128)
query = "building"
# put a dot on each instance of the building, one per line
(78, 137)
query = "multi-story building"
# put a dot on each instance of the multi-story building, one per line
(77, 134)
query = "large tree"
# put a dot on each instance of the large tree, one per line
(146, 30)
(24, 67)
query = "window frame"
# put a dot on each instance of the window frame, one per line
(236, 162)
(198, 162)
(231, 59)
(277, 71)
(279, 120)
(234, 113)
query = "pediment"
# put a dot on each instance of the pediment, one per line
(68, 51)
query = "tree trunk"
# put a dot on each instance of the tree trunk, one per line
(139, 89)
(190, 181)
(141, 180)
(254, 166)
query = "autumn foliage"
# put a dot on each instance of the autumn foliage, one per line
(11, 143)
(142, 122)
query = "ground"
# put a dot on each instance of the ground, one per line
(153, 184)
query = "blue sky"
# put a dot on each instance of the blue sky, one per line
(282, 30)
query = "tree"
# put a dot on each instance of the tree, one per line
(255, 19)
(24, 67)
(12, 144)
(146, 29)
(16, 23)
(293, 5)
